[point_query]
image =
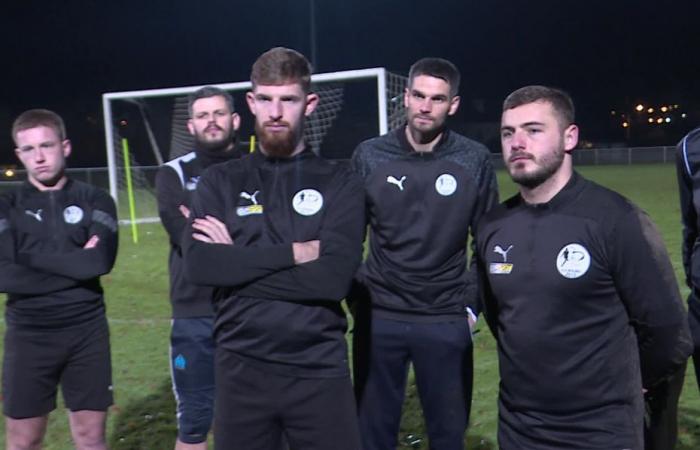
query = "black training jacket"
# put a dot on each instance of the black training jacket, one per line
(51, 281)
(421, 207)
(583, 301)
(175, 182)
(283, 317)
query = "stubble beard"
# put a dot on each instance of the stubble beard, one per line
(546, 168)
(222, 144)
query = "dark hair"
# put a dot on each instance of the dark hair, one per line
(279, 66)
(438, 68)
(36, 118)
(561, 101)
(207, 92)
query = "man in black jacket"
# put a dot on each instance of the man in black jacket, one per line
(426, 189)
(213, 124)
(579, 293)
(279, 232)
(57, 236)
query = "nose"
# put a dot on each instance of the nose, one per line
(426, 105)
(39, 154)
(275, 110)
(518, 140)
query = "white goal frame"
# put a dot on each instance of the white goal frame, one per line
(379, 73)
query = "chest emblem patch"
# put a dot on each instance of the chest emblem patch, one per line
(73, 214)
(446, 184)
(254, 208)
(307, 202)
(500, 268)
(398, 182)
(191, 184)
(573, 261)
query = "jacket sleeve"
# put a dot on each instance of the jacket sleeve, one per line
(19, 279)
(689, 214)
(329, 277)
(84, 264)
(648, 288)
(226, 265)
(486, 199)
(170, 196)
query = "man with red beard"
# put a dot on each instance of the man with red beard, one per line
(279, 233)
(213, 124)
(578, 291)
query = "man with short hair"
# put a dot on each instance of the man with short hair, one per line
(213, 124)
(279, 232)
(57, 236)
(578, 291)
(426, 188)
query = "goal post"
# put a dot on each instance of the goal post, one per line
(338, 91)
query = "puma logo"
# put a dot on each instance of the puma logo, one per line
(392, 180)
(500, 251)
(36, 215)
(250, 197)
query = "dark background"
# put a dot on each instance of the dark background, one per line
(610, 55)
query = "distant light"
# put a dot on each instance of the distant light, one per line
(659, 120)
(639, 107)
(613, 112)
(668, 120)
(9, 173)
(684, 115)
(664, 109)
(625, 124)
(676, 106)
(650, 120)
(650, 110)
(123, 122)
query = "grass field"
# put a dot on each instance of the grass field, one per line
(136, 294)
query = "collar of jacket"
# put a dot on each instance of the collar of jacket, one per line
(403, 141)
(301, 156)
(569, 192)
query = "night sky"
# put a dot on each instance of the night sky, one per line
(607, 54)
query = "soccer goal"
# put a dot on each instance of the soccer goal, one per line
(152, 124)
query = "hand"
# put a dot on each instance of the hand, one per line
(185, 211)
(472, 323)
(305, 251)
(211, 230)
(92, 242)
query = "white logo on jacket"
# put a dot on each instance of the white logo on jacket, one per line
(392, 180)
(254, 209)
(307, 202)
(250, 197)
(73, 214)
(36, 215)
(446, 184)
(573, 261)
(498, 249)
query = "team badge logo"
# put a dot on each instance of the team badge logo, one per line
(446, 184)
(501, 268)
(191, 184)
(307, 202)
(249, 210)
(73, 214)
(573, 261)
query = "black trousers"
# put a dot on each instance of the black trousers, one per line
(441, 354)
(259, 410)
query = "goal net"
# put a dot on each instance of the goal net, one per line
(354, 105)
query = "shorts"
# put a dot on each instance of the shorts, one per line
(192, 373)
(37, 361)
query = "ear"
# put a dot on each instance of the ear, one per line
(406, 94)
(190, 126)
(311, 103)
(570, 137)
(236, 121)
(250, 99)
(67, 147)
(454, 105)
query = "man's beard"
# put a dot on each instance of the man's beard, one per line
(214, 146)
(547, 166)
(278, 145)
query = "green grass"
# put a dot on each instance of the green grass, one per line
(137, 301)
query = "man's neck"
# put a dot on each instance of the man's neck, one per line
(422, 142)
(54, 187)
(547, 190)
